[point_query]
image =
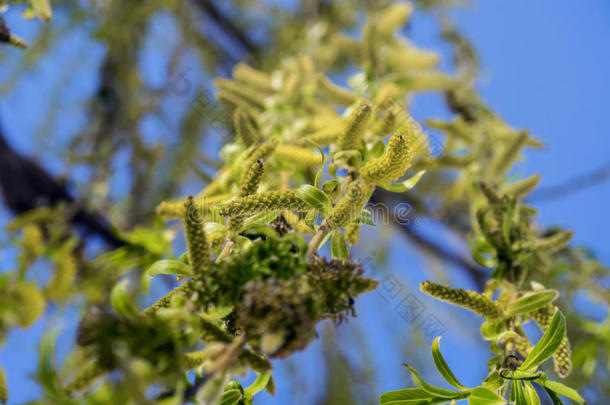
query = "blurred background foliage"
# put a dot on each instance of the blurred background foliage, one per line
(130, 120)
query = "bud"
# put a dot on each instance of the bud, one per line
(349, 206)
(472, 300)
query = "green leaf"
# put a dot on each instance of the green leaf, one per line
(409, 396)
(484, 396)
(564, 390)
(493, 381)
(482, 252)
(519, 375)
(315, 197)
(331, 188)
(435, 391)
(338, 246)
(530, 394)
(230, 397)
(532, 302)
(548, 344)
(365, 218)
(259, 219)
(177, 267)
(554, 397)
(443, 367)
(519, 393)
(321, 169)
(258, 384)
(404, 185)
(119, 299)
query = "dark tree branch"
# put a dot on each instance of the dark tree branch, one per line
(572, 185)
(26, 185)
(476, 272)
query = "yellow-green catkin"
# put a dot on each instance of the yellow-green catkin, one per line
(562, 359)
(248, 186)
(65, 271)
(522, 344)
(231, 101)
(523, 187)
(505, 159)
(472, 300)
(371, 42)
(252, 77)
(355, 126)
(393, 163)
(177, 209)
(326, 135)
(429, 81)
(352, 233)
(333, 93)
(245, 93)
(185, 289)
(262, 151)
(349, 206)
(85, 378)
(30, 301)
(267, 201)
(551, 244)
(245, 128)
(195, 359)
(407, 57)
(196, 241)
(387, 98)
(394, 17)
(299, 156)
(3, 388)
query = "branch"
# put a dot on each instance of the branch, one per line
(476, 272)
(572, 185)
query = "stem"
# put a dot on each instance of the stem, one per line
(226, 250)
(316, 240)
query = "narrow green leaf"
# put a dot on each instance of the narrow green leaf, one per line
(408, 396)
(532, 302)
(315, 197)
(564, 390)
(484, 396)
(554, 397)
(365, 218)
(258, 384)
(548, 344)
(338, 246)
(435, 391)
(530, 394)
(406, 185)
(519, 393)
(321, 169)
(493, 381)
(443, 367)
(119, 299)
(177, 267)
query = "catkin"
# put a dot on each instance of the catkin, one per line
(245, 93)
(349, 206)
(394, 17)
(267, 201)
(195, 359)
(85, 378)
(196, 242)
(245, 127)
(249, 185)
(562, 359)
(387, 97)
(301, 157)
(355, 126)
(326, 135)
(393, 163)
(334, 93)
(31, 303)
(352, 233)
(472, 300)
(255, 78)
(185, 288)
(408, 57)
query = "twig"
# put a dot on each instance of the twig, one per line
(572, 185)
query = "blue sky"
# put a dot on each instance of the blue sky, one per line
(545, 68)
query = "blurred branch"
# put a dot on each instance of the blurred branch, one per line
(572, 185)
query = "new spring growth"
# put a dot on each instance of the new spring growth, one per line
(245, 127)
(355, 126)
(248, 186)
(255, 78)
(472, 300)
(7, 37)
(349, 206)
(301, 157)
(262, 151)
(251, 96)
(267, 201)
(393, 163)
(196, 241)
(334, 93)
(562, 358)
